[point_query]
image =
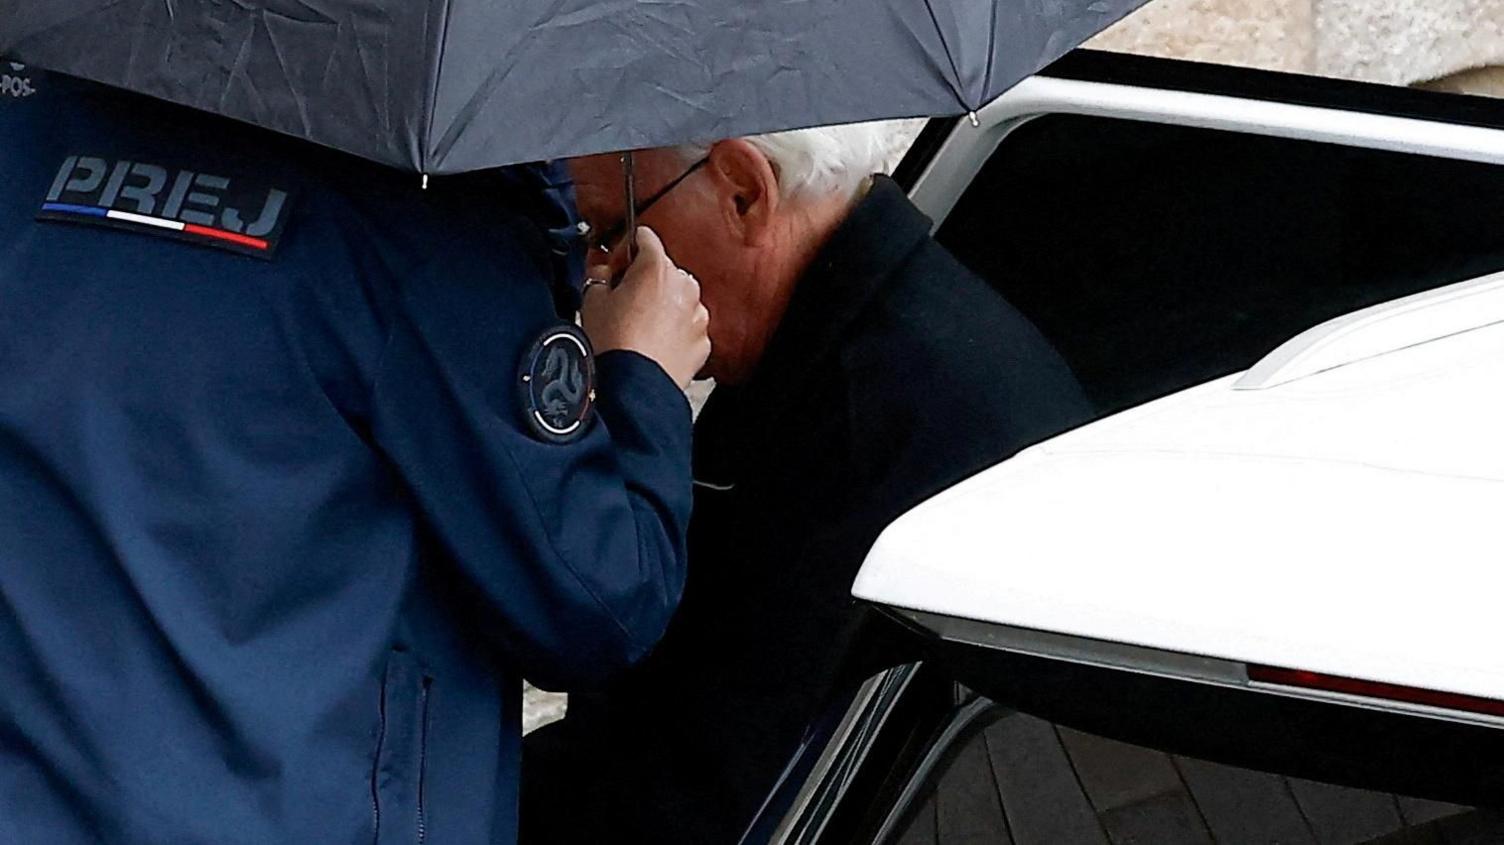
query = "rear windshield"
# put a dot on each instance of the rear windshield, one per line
(1159, 257)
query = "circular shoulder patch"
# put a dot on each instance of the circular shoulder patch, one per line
(556, 384)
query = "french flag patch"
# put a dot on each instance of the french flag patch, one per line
(202, 208)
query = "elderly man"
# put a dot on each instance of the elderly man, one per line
(860, 369)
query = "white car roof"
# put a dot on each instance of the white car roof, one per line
(1341, 517)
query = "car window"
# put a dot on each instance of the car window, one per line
(1158, 257)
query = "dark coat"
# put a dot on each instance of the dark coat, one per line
(895, 374)
(277, 545)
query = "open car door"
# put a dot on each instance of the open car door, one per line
(1276, 547)
(1293, 568)
(1285, 553)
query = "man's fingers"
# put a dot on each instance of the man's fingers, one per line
(595, 291)
(648, 244)
(648, 260)
(597, 286)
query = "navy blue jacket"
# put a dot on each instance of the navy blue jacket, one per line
(277, 546)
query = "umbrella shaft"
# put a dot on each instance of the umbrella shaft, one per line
(629, 178)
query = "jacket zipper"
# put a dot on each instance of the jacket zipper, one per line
(376, 764)
(423, 759)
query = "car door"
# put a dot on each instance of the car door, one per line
(1184, 234)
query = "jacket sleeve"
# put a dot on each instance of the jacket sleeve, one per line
(570, 558)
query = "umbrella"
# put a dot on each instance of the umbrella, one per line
(447, 86)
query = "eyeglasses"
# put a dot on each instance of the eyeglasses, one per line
(604, 240)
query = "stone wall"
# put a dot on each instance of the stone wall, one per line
(1453, 45)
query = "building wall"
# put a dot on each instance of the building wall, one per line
(1271, 34)
(1453, 45)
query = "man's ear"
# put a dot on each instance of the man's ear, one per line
(747, 188)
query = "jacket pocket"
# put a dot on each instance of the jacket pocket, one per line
(398, 774)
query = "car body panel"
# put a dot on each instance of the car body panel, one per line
(1343, 523)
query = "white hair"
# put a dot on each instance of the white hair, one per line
(827, 160)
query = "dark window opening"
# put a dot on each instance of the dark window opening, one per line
(1159, 257)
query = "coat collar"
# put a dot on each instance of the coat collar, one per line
(858, 260)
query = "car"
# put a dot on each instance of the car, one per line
(1274, 549)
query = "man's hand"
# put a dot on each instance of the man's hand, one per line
(654, 311)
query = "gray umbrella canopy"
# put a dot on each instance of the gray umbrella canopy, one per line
(446, 86)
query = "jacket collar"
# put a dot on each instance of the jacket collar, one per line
(857, 261)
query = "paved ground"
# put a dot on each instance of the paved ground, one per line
(539, 708)
(1024, 781)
